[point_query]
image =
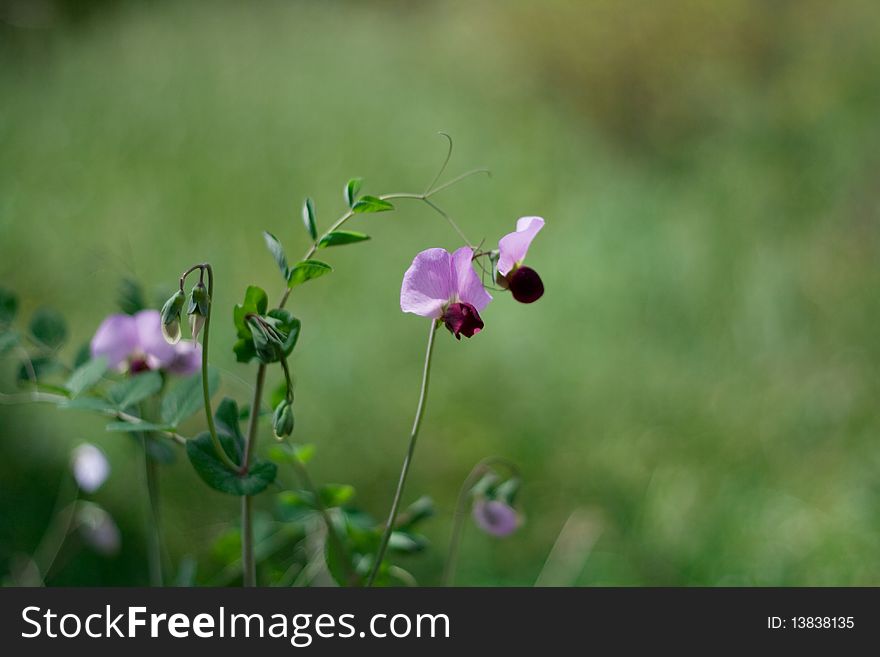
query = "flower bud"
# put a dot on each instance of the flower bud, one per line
(268, 341)
(282, 420)
(196, 322)
(198, 300)
(495, 517)
(506, 492)
(525, 285)
(171, 317)
(198, 308)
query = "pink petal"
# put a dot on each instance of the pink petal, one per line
(187, 358)
(495, 517)
(467, 284)
(151, 341)
(514, 246)
(428, 284)
(115, 339)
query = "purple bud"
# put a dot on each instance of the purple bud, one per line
(462, 319)
(525, 285)
(495, 517)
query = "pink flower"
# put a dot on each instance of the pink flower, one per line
(495, 517)
(136, 342)
(445, 287)
(523, 282)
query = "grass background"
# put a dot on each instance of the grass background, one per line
(700, 379)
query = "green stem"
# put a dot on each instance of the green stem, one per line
(414, 434)
(206, 393)
(248, 564)
(56, 534)
(476, 472)
(154, 538)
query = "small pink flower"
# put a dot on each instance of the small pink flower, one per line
(495, 517)
(136, 342)
(523, 282)
(445, 287)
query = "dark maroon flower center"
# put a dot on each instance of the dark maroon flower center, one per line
(462, 319)
(139, 365)
(525, 285)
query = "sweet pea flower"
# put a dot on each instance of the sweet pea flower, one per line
(90, 467)
(445, 287)
(523, 282)
(495, 517)
(135, 342)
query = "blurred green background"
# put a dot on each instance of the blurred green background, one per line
(699, 383)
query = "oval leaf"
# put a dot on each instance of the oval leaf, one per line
(308, 215)
(213, 472)
(340, 237)
(186, 398)
(352, 187)
(371, 204)
(8, 307)
(48, 327)
(277, 251)
(255, 301)
(135, 389)
(86, 376)
(306, 270)
(336, 494)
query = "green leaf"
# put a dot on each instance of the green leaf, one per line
(340, 237)
(83, 356)
(304, 453)
(213, 472)
(336, 494)
(295, 505)
(130, 297)
(352, 187)
(256, 301)
(308, 215)
(42, 367)
(132, 427)
(406, 542)
(277, 252)
(160, 450)
(89, 404)
(8, 307)
(419, 510)
(306, 270)
(186, 398)
(335, 558)
(244, 350)
(227, 422)
(48, 327)
(8, 339)
(371, 204)
(86, 376)
(135, 389)
(292, 453)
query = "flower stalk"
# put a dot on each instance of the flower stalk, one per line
(478, 471)
(407, 462)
